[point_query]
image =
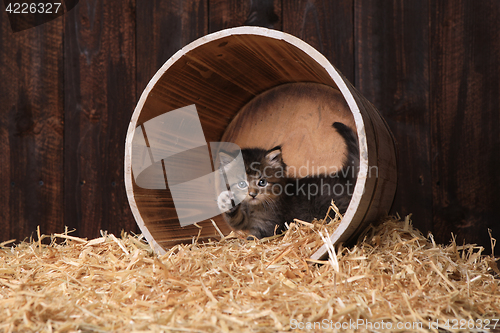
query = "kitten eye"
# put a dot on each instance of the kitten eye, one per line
(242, 184)
(262, 183)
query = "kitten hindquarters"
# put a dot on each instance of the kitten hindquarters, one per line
(313, 195)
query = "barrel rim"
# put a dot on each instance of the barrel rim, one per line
(299, 44)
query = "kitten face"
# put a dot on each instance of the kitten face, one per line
(262, 182)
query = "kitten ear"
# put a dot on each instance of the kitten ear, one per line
(225, 158)
(273, 156)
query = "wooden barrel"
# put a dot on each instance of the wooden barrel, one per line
(226, 76)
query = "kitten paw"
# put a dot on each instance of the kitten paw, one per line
(224, 201)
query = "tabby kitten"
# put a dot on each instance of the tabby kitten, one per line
(268, 198)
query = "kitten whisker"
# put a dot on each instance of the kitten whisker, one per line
(271, 204)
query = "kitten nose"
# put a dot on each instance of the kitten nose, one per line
(253, 194)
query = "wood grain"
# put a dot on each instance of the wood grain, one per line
(392, 72)
(327, 26)
(31, 130)
(298, 117)
(465, 90)
(100, 94)
(233, 13)
(163, 28)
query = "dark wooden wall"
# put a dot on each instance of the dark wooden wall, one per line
(69, 87)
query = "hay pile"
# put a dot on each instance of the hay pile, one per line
(394, 277)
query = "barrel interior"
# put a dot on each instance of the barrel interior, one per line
(299, 118)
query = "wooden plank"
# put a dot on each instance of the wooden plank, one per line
(465, 90)
(392, 55)
(100, 95)
(327, 26)
(163, 28)
(31, 130)
(228, 14)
